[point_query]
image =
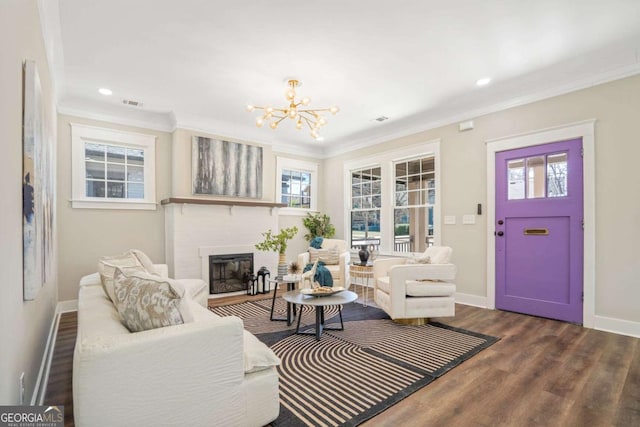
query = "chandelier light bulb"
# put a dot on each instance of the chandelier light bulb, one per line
(250, 108)
(334, 109)
(274, 125)
(268, 109)
(299, 125)
(293, 113)
(306, 100)
(314, 134)
(259, 122)
(290, 94)
(322, 121)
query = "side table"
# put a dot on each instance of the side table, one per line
(291, 282)
(361, 275)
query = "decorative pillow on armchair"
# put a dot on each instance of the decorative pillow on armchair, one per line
(147, 302)
(329, 256)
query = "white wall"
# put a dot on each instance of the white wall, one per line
(615, 105)
(24, 325)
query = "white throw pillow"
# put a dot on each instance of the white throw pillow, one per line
(422, 259)
(107, 266)
(439, 254)
(147, 302)
(145, 261)
(257, 356)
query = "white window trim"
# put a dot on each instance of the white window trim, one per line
(283, 163)
(385, 160)
(83, 133)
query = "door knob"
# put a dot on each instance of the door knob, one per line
(500, 222)
(500, 233)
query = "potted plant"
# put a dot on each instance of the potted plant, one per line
(278, 243)
(319, 225)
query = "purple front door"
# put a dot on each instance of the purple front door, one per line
(539, 230)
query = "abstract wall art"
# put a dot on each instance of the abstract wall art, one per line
(224, 168)
(37, 188)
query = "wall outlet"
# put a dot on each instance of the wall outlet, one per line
(22, 388)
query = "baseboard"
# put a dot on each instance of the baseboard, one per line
(473, 300)
(617, 326)
(40, 388)
(66, 306)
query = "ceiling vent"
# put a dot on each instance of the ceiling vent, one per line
(381, 118)
(132, 103)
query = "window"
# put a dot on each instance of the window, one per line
(537, 177)
(112, 169)
(366, 201)
(393, 200)
(296, 186)
(414, 202)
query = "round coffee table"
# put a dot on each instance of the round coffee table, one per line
(344, 297)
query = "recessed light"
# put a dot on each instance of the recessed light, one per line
(104, 91)
(484, 81)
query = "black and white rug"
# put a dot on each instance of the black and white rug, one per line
(350, 376)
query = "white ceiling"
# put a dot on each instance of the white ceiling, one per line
(197, 64)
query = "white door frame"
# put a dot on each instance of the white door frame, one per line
(586, 130)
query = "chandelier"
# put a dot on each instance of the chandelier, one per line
(311, 117)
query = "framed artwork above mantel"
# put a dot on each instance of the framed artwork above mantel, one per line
(224, 168)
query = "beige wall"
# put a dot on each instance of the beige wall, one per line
(87, 234)
(616, 106)
(181, 180)
(24, 325)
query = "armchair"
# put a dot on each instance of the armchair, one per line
(340, 271)
(412, 292)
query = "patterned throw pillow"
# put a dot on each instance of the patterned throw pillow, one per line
(332, 257)
(147, 302)
(107, 266)
(145, 261)
(315, 254)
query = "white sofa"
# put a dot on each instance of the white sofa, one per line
(207, 372)
(339, 272)
(413, 292)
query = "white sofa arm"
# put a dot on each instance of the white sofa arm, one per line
(381, 266)
(189, 374)
(345, 258)
(303, 260)
(162, 269)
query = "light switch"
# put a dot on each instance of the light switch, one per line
(449, 219)
(468, 219)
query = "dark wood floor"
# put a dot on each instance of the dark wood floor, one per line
(541, 373)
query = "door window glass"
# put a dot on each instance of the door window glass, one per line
(515, 178)
(557, 175)
(535, 177)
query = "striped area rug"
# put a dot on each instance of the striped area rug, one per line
(350, 376)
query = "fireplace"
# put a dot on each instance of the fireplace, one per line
(229, 272)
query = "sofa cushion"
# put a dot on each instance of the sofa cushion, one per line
(107, 266)
(257, 356)
(334, 270)
(383, 284)
(147, 302)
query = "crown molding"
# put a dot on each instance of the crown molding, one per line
(157, 124)
(585, 83)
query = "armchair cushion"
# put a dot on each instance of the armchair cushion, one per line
(417, 288)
